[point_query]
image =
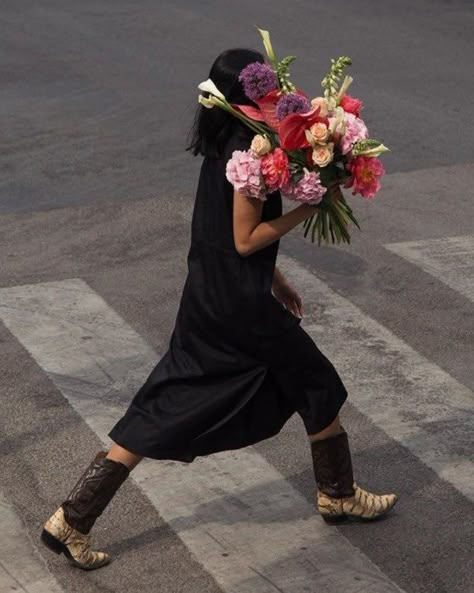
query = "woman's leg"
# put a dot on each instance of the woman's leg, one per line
(338, 495)
(331, 430)
(118, 453)
(66, 531)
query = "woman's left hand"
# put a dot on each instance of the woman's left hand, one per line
(288, 297)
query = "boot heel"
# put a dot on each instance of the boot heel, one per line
(334, 518)
(52, 543)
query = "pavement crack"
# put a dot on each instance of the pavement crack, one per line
(265, 578)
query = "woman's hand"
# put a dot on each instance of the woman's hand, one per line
(288, 297)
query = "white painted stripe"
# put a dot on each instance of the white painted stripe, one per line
(449, 259)
(413, 400)
(21, 567)
(242, 520)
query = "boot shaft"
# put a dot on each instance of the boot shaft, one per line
(93, 492)
(332, 465)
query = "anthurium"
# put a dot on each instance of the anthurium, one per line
(293, 128)
(249, 111)
(267, 106)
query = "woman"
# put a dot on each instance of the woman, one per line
(239, 364)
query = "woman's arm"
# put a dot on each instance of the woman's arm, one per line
(250, 234)
(286, 294)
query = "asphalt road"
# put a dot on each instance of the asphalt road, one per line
(96, 188)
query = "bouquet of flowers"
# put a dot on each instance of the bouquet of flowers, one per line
(302, 146)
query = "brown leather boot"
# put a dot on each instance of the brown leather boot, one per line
(66, 531)
(338, 494)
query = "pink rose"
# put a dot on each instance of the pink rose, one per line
(260, 145)
(323, 155)
(322, 103)
(366, 172)
(319, 132)
(275, 169)
(351, 105)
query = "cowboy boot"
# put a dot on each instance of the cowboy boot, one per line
(339, 496)
(67, 530)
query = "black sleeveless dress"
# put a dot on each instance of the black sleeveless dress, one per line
(239, 364)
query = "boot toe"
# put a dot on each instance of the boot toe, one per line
(368, 505)
(97, 560)
(61, 538)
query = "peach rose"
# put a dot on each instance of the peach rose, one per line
(320, 133)
(260, 145)
(323, 155)
(320, 102)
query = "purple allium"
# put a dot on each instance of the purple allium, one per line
(258, 79)
(292, 103)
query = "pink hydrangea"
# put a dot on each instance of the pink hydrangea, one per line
(365, 179)
(308, 189)
(243, 170)
(355, 130)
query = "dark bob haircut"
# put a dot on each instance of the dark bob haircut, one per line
(212, 127)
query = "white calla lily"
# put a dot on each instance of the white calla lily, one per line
(268, 45)
(205, 102)
(209, 86)
(374, 151)
(345, 85)
(337, 121)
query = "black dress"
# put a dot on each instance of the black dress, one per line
(239, 364)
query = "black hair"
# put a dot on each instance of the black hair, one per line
(211, 128)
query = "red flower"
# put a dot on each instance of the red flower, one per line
(366, 172)
(351, 105)
(267, 106)
(275, 169)
(293, 126)
(249, 111)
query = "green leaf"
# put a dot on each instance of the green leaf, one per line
(325, 228)
(330, 227)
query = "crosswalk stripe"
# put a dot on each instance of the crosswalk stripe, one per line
(21, 567)
(243, 521)
(449, 259)
(413, 400)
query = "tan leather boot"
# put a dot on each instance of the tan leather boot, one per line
(67, 530)
(338, 495)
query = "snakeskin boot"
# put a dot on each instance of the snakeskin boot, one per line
(339, 496)
(67, 530)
